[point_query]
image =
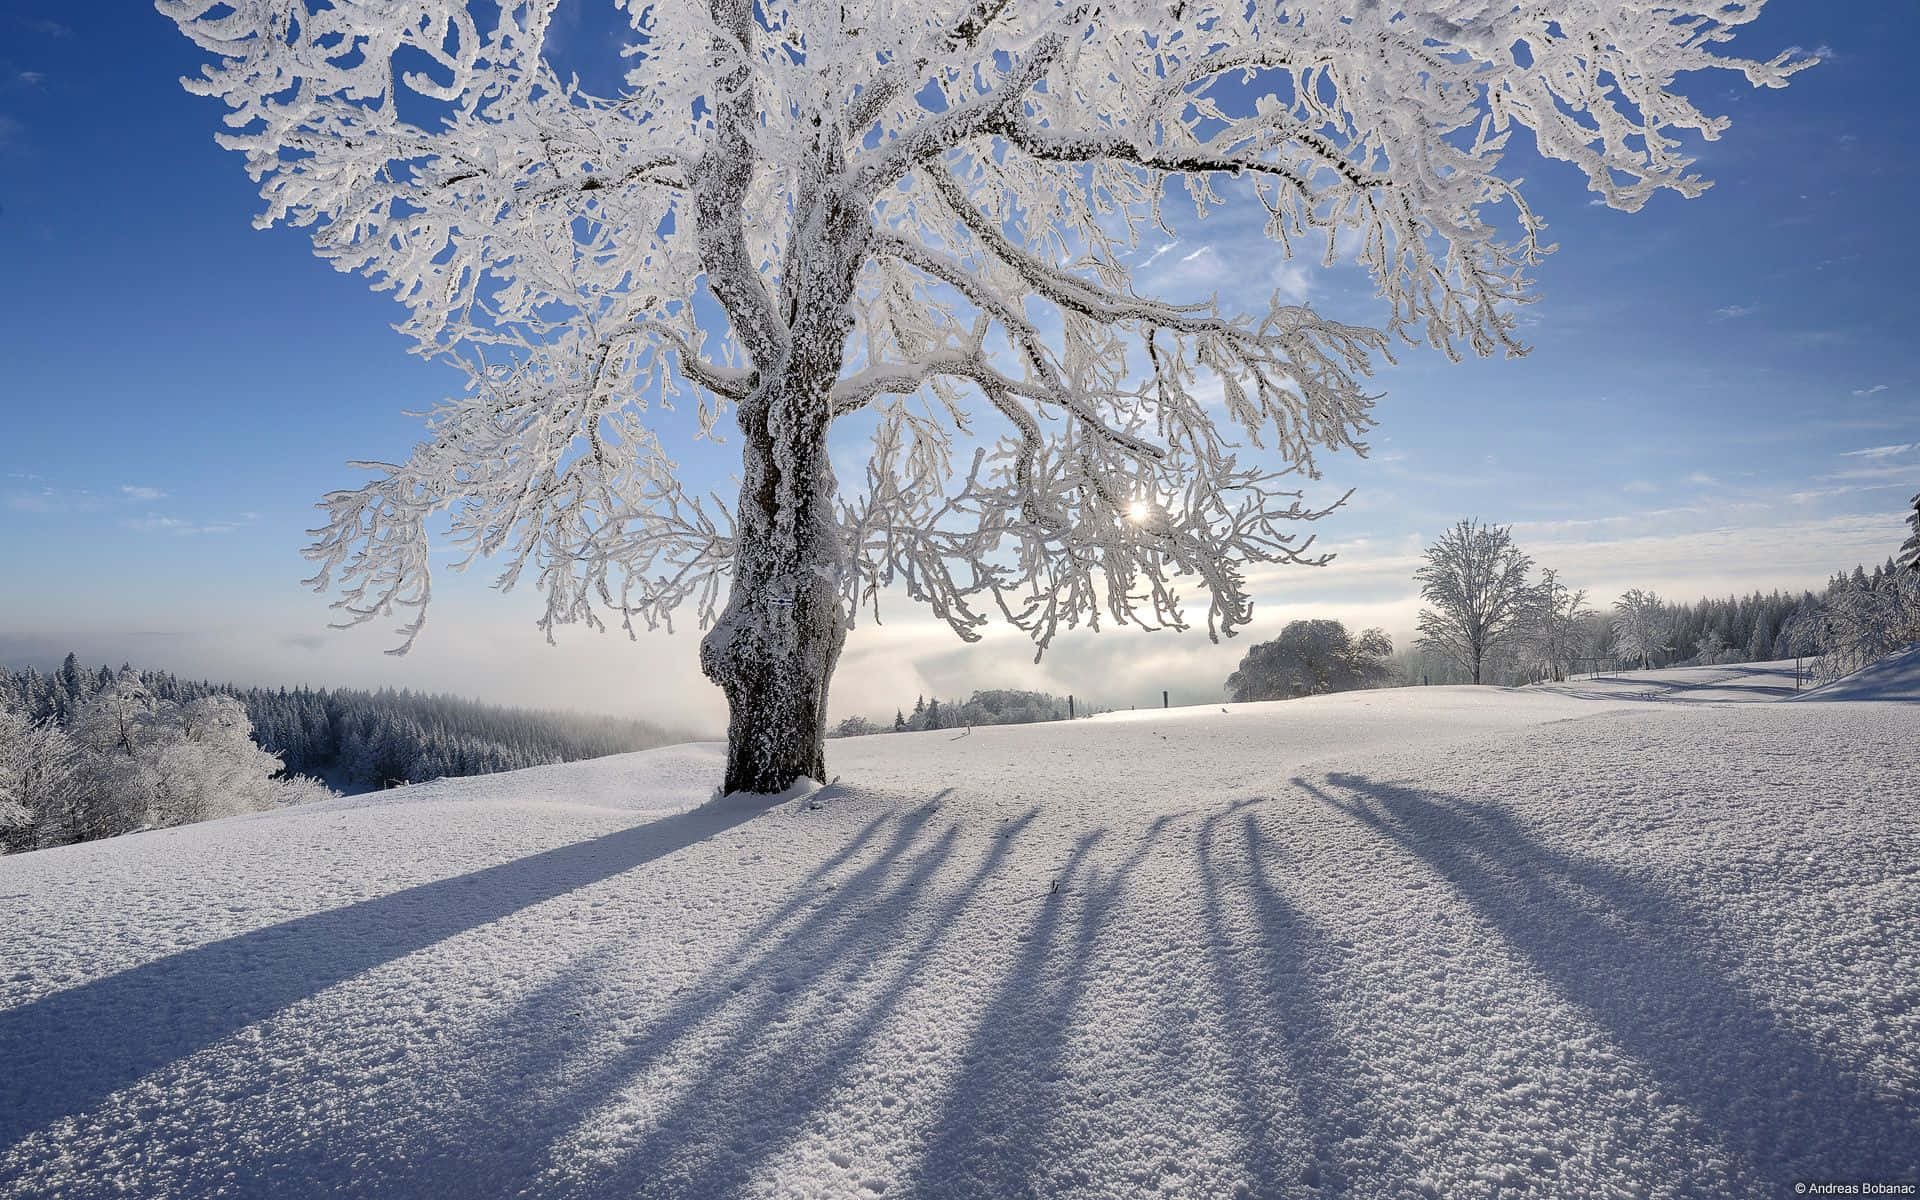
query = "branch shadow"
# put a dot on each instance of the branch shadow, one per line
(1639, 961)
(990, 1137)
(67, 1051)
(1718, 690)
(1270, 992)
(764, 1080)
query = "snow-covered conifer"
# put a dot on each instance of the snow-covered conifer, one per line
(920, 221)
(1910, 549)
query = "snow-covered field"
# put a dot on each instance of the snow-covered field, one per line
(1568, 941)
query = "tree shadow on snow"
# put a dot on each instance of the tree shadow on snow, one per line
(1718, 690)
(992, 1137)
(696, 1098)
(69, 1050)
(1307, 1119)
(1638, 960)
(791, 1046)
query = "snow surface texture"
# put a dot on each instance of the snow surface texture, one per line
(1454, 942)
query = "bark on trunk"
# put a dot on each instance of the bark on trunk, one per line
(775, 646)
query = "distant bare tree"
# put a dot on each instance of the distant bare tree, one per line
(1475, 578)
(1640, 627)
(1558, 629)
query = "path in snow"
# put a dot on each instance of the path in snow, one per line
(1445, 941)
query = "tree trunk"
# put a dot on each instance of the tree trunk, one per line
(775, 646)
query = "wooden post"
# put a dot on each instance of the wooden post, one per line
(1163, 699)
(1069, 706)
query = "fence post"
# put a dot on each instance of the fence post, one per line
(1163, 699)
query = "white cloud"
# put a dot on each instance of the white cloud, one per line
(1822, 52)
(1875, 390)
(1880, 451)
(1292, 281)
(134, 491)
(1701, 479)
(1639, 487)
(152, 523)
(1734, 312)
(1158, 251)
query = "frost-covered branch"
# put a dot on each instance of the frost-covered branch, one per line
(925, 215)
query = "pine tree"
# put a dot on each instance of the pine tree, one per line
(1910, 549)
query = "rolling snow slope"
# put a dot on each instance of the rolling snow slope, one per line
(1431, 942)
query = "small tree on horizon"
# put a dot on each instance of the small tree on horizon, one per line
(1475, 579)
(1556, 629)
(917, 222)
(1311, 658)
(1641, 627)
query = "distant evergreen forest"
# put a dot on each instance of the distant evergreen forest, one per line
(358, 741)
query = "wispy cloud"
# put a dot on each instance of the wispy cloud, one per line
(1640, 487)
(1162, 248)
(135, 491)
(46, 499)
(47, 26)
(1293, 281)
(1734, 312)
(1875, 390)
(152, 523)
(1880, 451)
(1821, 53)
(1701, 479)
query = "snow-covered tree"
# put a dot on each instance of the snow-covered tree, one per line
(1556, 625)
(1910, 549)
(118, 719)
(1640, 628)
(1475, 580)
(1311, 658)
(39, 779)
(206, 764)
(917, 222)
(1710, 648)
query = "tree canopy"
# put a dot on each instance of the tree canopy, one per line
(1311, 658)
(926, 215)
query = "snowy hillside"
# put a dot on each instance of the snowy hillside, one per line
(1430, 942)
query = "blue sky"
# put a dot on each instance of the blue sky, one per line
(1721, 394)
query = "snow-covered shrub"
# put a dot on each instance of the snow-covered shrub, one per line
(1311, 658)
(203, 763)
(297, 789)
(39, 777)
(1865, 618)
